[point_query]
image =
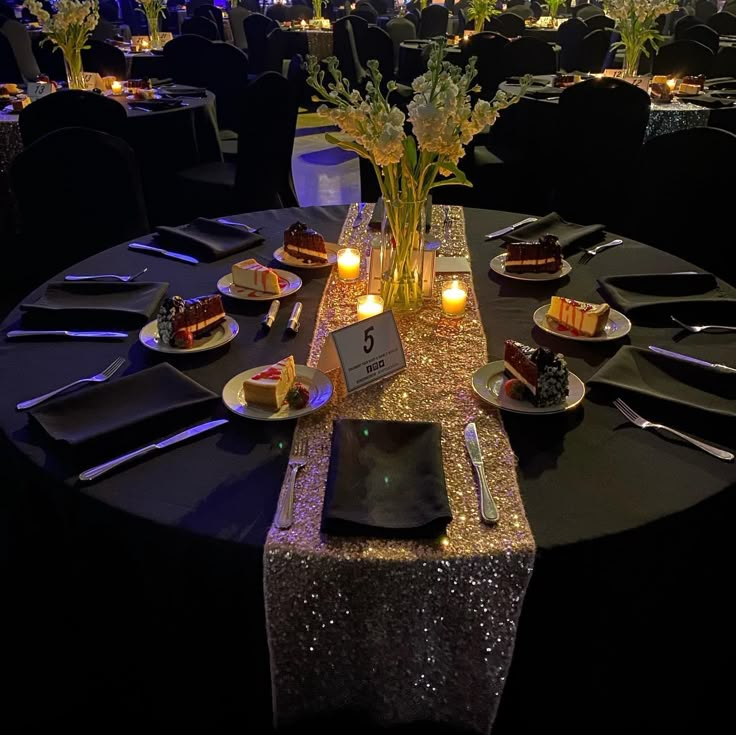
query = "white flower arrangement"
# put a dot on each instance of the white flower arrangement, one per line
(635, 21)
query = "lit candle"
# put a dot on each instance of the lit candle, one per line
(454, 297)
(348, 264)
(116, 87)
(671, 84)
(144, 43)
(369, 305)
(303, 23)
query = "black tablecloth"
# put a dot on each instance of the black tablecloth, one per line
(155, 572)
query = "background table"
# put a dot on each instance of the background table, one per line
(142, 593)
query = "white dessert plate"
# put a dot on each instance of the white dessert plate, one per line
(488, 384)
(283, 257)
(617, 326)
(293, 284)
(134, 98)
(220, 335)
(315, 381)
(498, 265)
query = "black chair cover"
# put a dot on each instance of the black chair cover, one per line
(512, 25)
(683, 57)
(596, 22)
(704, 9)
(687, 21)
(702, 34)
(257, 27)
(382, 49)
(725, 63)
(213, 13)
(226, 72)
(570, 37)
(724, 24)
(9, 71)
(433, 21)
(365, 10)
(594, 50)
(342, 48)
(200, 27)
(528, 55)
(104, 58)
(183, 56)
(488, 48)
(277, 12)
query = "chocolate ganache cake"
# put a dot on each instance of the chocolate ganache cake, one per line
(542, 372)
(305, 244)
(181, 321)
(544, 256)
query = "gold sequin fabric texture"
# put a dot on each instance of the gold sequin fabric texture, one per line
(402, 630)
(675, 116)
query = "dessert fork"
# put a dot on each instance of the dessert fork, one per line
(285, 507)
(107, 373)
(588, 254)
(124, 279)
(702, 327)
(642, 423)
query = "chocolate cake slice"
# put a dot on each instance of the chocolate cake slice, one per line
(305, 244)
(544, 256)
(181, 321)
(543, 373)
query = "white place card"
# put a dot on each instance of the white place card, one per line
(366, 352)
(92, 80)
(638, 81)
(36, 90)
(448, 264)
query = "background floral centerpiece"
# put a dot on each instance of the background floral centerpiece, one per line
(69, 29)
(407, 164)
(554, 6)
(153, 10)
(635, 21)
(479, 11)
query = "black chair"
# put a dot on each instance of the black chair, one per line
(213, 13)
(9, 71)
(133, 18)
(351, 62)
(536, 8)
(80, 176)
(413, 16)
(366, 11)
(594, 50)
(724, 24)
(687, 21)
(512, 25)
(200, 27)
(704, 9)
(528, 56)
(400, 29)
(237, 15)
(381, 48)
(277, 12)
(725, 63)
(702, 34)
(261, 177)
(433, 21)
(183, 56)
(72, 108)
(253, 5)
(6, 12)
(104, 58)
(225, 70)
(570, 37)
(681, 58)
(598, 22)
(277, 49)
(488, 48)
(585, 10)
(257, 27)
(686, 163)
(607, 119)
(521, 10)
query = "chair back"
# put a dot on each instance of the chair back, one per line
(521, 10)
(277, 49)
(433, 21)
(200, 27)
(725, 63)
(266, 142)
(351, 53)
(687, 162)
(213, 13)
(400, 29)
(104, 58)
(72, 108)
(703, 34)
(9, 70)
(237, 15)
(704, 9)
(381, 48)
(724, 24)
(488, 48)
(528, 55)
(684, 57)
(226, 74)
(536, 8)
(79, 176)
(594, 50)
(365, 10)
(596, 22)
(133, 18)
(257, 27)
(183, 55)
(584, 10)
(682, 24)
(512, 25)
(277, 12)
(20, 42)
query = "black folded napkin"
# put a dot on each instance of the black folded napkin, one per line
(707, 100)
(386, 479)
(125, 413)
(207, 239)
(154, 105)
(567, 233)
(720, 82)
(652, 298)
(183, 90)
(95, 305)
(692, 393)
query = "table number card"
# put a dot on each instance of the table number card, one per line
(366, 352)
(36, 90)
(92, 80)
(641, 82)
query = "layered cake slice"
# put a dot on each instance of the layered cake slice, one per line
(251, 274)
(544, 256)
(579, 317)
(269, 387)
(543, 373)
(181, 321)
(305, 244)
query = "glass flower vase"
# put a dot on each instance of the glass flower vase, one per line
(402, 254)
(154, 34)
(632, 54)
(73, 67)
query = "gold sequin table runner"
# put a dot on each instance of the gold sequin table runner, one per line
(402, 630)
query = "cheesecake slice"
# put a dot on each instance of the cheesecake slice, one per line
(269, 387)
(251, 274)
(579, 317)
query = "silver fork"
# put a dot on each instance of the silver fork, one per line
(642, 423)
(124, 279)
(285, 507)
(108, 372)
(597, 249)
(702, 327)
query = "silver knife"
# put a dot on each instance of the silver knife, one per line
(64, 333)
(488, 510)
(510, 228)
(232, 223)
(161, 251)
(695, 360)
(91, 474)
(359, 216)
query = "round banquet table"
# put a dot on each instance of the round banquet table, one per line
(142, 594)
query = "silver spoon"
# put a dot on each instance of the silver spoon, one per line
(124, 279)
